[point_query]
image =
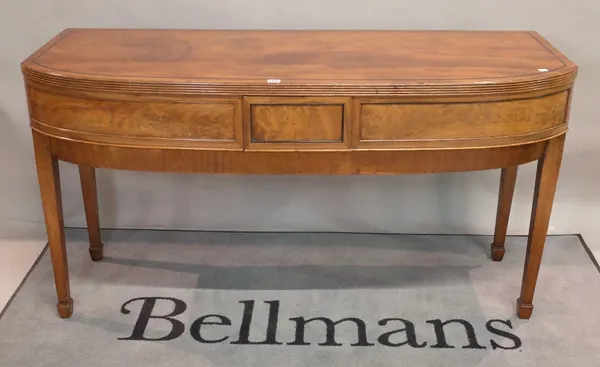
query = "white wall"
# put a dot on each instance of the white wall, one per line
(451, 203)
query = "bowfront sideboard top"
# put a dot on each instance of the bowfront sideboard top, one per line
(298, 102)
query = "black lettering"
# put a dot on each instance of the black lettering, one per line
(330, 336)
(515, 339)
(409, 328)
(271, 338)
(177, 327)
(441, 336)
(196, 325)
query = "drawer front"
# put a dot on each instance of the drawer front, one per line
(282, 123)
(143, 121)
(390, 123)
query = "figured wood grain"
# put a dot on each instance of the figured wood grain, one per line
(297, 123)
(198, 118)
(433, 121)
(345, 63)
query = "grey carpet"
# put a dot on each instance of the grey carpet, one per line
(425, 280)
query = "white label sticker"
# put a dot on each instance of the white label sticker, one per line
(543, 70)
(273, 81)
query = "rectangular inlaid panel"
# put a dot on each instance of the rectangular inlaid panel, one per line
(386, 121)
(182, 118)
(297, 123)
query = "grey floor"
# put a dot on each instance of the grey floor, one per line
(368, 277)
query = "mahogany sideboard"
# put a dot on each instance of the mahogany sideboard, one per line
(298, 102)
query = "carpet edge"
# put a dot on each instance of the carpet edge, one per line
(588, 251)
(20, 286)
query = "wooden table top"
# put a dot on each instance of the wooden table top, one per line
(302, 62)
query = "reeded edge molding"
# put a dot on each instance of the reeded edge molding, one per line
(471, 143)
(135, 141)
(199, 145)
(561, 78)
(190, 98)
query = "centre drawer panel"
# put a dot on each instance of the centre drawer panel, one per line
(296, 123)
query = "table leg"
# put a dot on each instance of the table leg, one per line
(49, 182)
(508, 177)
(87, 175)
(543, 197)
